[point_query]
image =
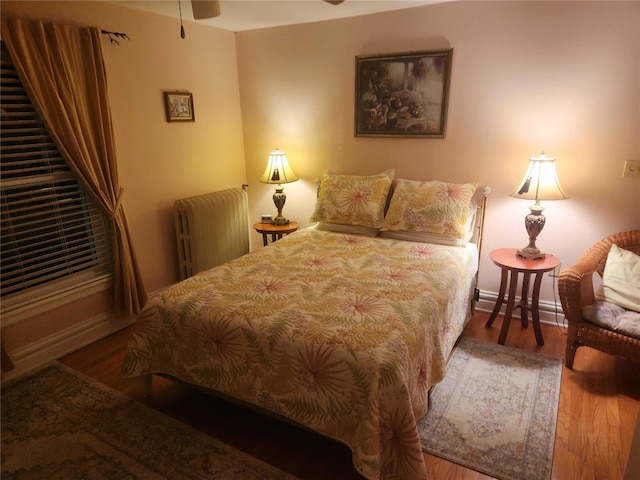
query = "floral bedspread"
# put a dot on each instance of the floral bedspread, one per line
(344, 334)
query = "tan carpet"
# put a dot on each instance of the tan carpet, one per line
(58, 424)
(495, 412)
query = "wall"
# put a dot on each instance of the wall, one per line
(158, 162)
(563, 77)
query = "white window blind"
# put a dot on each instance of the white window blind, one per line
(53, 236)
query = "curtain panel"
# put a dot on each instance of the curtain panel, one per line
(62, 69)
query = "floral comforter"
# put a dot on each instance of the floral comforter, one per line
(343, 334)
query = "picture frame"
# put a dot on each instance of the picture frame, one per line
(178, 107)
(403, 94)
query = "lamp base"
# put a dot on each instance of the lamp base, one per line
(534, 223)
(530, 255)
(279, 199)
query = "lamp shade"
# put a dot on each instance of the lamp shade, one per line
(540, 182)
(278, 170)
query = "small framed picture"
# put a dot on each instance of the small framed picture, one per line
(178, 107)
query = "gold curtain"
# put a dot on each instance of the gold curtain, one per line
(62, 70)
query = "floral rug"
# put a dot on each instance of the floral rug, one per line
(60, 424)
(495, 412)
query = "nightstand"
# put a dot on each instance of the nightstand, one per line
(512, 265)
(276, 231)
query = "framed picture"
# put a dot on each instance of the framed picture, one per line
(402, 94)
(178, 107)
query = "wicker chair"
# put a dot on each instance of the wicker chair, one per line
(575, 286)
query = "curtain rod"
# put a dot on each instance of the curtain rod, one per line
(114, 35)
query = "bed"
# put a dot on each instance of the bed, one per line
(342, 327)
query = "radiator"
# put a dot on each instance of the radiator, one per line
(211, 229)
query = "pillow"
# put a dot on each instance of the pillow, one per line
(423, 237)
(437, 238)
(621, 279)
(430, 207)
(471, 221)
(352, 199)
(349, 229)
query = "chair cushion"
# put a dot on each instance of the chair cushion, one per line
(613, 317)
(621, 279)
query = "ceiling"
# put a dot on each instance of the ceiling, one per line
(240, 15)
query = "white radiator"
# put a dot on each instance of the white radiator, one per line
(211, 229)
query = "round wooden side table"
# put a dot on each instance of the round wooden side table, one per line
(276, 231)
(512, 265)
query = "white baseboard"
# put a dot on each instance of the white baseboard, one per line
(550, 312)
(35, 355)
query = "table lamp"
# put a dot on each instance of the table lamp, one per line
(539, 183)
(278, 172)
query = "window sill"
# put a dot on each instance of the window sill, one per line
(15, 311)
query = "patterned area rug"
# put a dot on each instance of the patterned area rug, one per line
(60, 424)
(495, 412)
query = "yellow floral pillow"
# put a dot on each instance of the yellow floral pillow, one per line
(430, 207)
(352, 200)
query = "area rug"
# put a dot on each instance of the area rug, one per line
(60, 424)
(495, 412)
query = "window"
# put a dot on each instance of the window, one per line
(53, 236)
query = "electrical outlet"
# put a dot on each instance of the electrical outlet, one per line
(631, 169)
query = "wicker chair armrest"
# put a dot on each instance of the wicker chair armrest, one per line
(575, 287)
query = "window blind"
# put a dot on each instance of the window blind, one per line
(52, 233)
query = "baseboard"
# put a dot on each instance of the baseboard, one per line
(33, 356)
(550, 312)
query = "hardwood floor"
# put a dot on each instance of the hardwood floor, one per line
(599, 404)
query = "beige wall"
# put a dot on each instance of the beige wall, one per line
(527, 76)
(563, 77)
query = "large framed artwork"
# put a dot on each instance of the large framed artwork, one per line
(402, 94)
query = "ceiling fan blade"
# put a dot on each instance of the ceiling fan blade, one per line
(334, 2)
(205, 9)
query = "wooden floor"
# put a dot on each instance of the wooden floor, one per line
(599, 404)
